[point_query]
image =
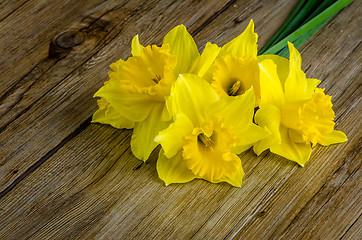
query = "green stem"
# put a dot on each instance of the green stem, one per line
(285, 24)
(309, 26)
(296, 22)
(320, 8)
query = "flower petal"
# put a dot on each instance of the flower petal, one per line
(117, 120)
(100, 116)
(135, 106)
(297, 152)
(208, 56)
(234, 179)
(183, 46)
(236, 111)
(282, 65)
(173, 170)
(190, 95)
(136, 46)
(271, 90)
(333, 137)
(144, 133)
(250, 135)
(297, 87)
(172, 138)
(243, 45)
(268, 117)
(106, 114)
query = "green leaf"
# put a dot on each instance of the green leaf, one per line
(282, 28)
(309, 28)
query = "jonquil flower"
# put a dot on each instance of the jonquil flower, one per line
(297, 113)
(134, 96)
(207, 133)
(235, 69)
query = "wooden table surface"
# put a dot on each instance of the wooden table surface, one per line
(64, 178)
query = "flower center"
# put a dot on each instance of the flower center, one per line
(233, 76)
(205, 140)
(157, 78)
(234, 88)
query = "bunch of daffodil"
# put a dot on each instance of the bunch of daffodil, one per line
(297, 114)
(200, 108)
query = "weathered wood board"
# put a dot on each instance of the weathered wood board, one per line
(64, 178)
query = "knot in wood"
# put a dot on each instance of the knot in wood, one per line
(69, 39)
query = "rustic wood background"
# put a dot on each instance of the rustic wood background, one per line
(64, 178)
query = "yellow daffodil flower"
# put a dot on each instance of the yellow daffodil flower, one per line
(206, 134)
(297, 113)
(134, 96)
(235, 69)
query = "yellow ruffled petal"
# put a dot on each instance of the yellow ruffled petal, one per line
(116, 70)
(243, 45)
(333, 137)
(297, 152)
(297, 87)
(310, 119)
(136, 46)
(172, 138)
(271, 90)
(268, 117)
(144, 133)
(208, 156)
(190, 95)
(183, 46)
(174, 169)
(150, 73)
(204, 64)
(282, 65)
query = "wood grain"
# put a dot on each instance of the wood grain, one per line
(63, 178)
(56, 105)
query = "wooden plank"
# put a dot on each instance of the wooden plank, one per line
(27, 29)
(268, 16)
(334, 208)
(93, 187)
(63, 91)
(8, 7)
(355, 231)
